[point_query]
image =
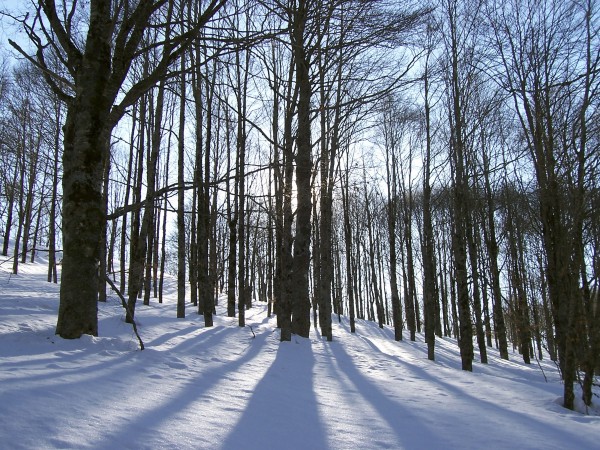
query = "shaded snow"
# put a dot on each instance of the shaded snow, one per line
(222, 388)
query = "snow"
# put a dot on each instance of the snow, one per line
(223, 388)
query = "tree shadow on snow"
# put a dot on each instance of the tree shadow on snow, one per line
(483, 420)
(282, 412)
(394, 425)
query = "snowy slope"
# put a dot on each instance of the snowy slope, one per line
(223, 388)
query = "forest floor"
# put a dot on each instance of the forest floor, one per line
(228, 387)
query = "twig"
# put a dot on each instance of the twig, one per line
(124, 303)
(250, 326)
(540, 366)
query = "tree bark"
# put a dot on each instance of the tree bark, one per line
(301, 256)
(428, 247)
(86, 144)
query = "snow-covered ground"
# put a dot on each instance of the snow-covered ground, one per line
(223, 388)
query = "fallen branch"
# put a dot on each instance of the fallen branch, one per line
(124, 303)
(540, 366)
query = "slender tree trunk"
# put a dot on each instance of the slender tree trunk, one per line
(486, 309)
(163, 244)
(428, 248)
(103, 263)
(203, 149)
(371, 252)
(139, 255)
(11, 189)
(492, 251)
(392, 216)
(286, 305)
(518, 275)
(348, 242)
(52, 272)
(134, 283)
(232, 218)
(42, 204)
(476, 292)
(21, 167)
(212, 231)
(242, 84)
(34, 151)
(460, 203)
(409, 304)
(181, 268)
(124, 224)
(443, 288)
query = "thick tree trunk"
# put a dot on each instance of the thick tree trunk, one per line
(301, 259)
(83, 216)
(83, 208)
(86, 144)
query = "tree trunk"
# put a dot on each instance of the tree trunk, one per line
(428, 247)
(181, 268)
(21, 209)
(86, 144)
(348, 242)
(52, 272)
(460, 199)
(103, 263)
(10, 191)
(477, 311)
(242, 86)
(492, 251)
(135, 274)
(232, 218)
(34, 151)
(130, 166)
(301, 257)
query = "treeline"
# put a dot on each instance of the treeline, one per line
(431, 166)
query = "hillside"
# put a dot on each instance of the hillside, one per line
(239, 388)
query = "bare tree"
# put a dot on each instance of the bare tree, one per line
(546, 58)
(95, 69)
